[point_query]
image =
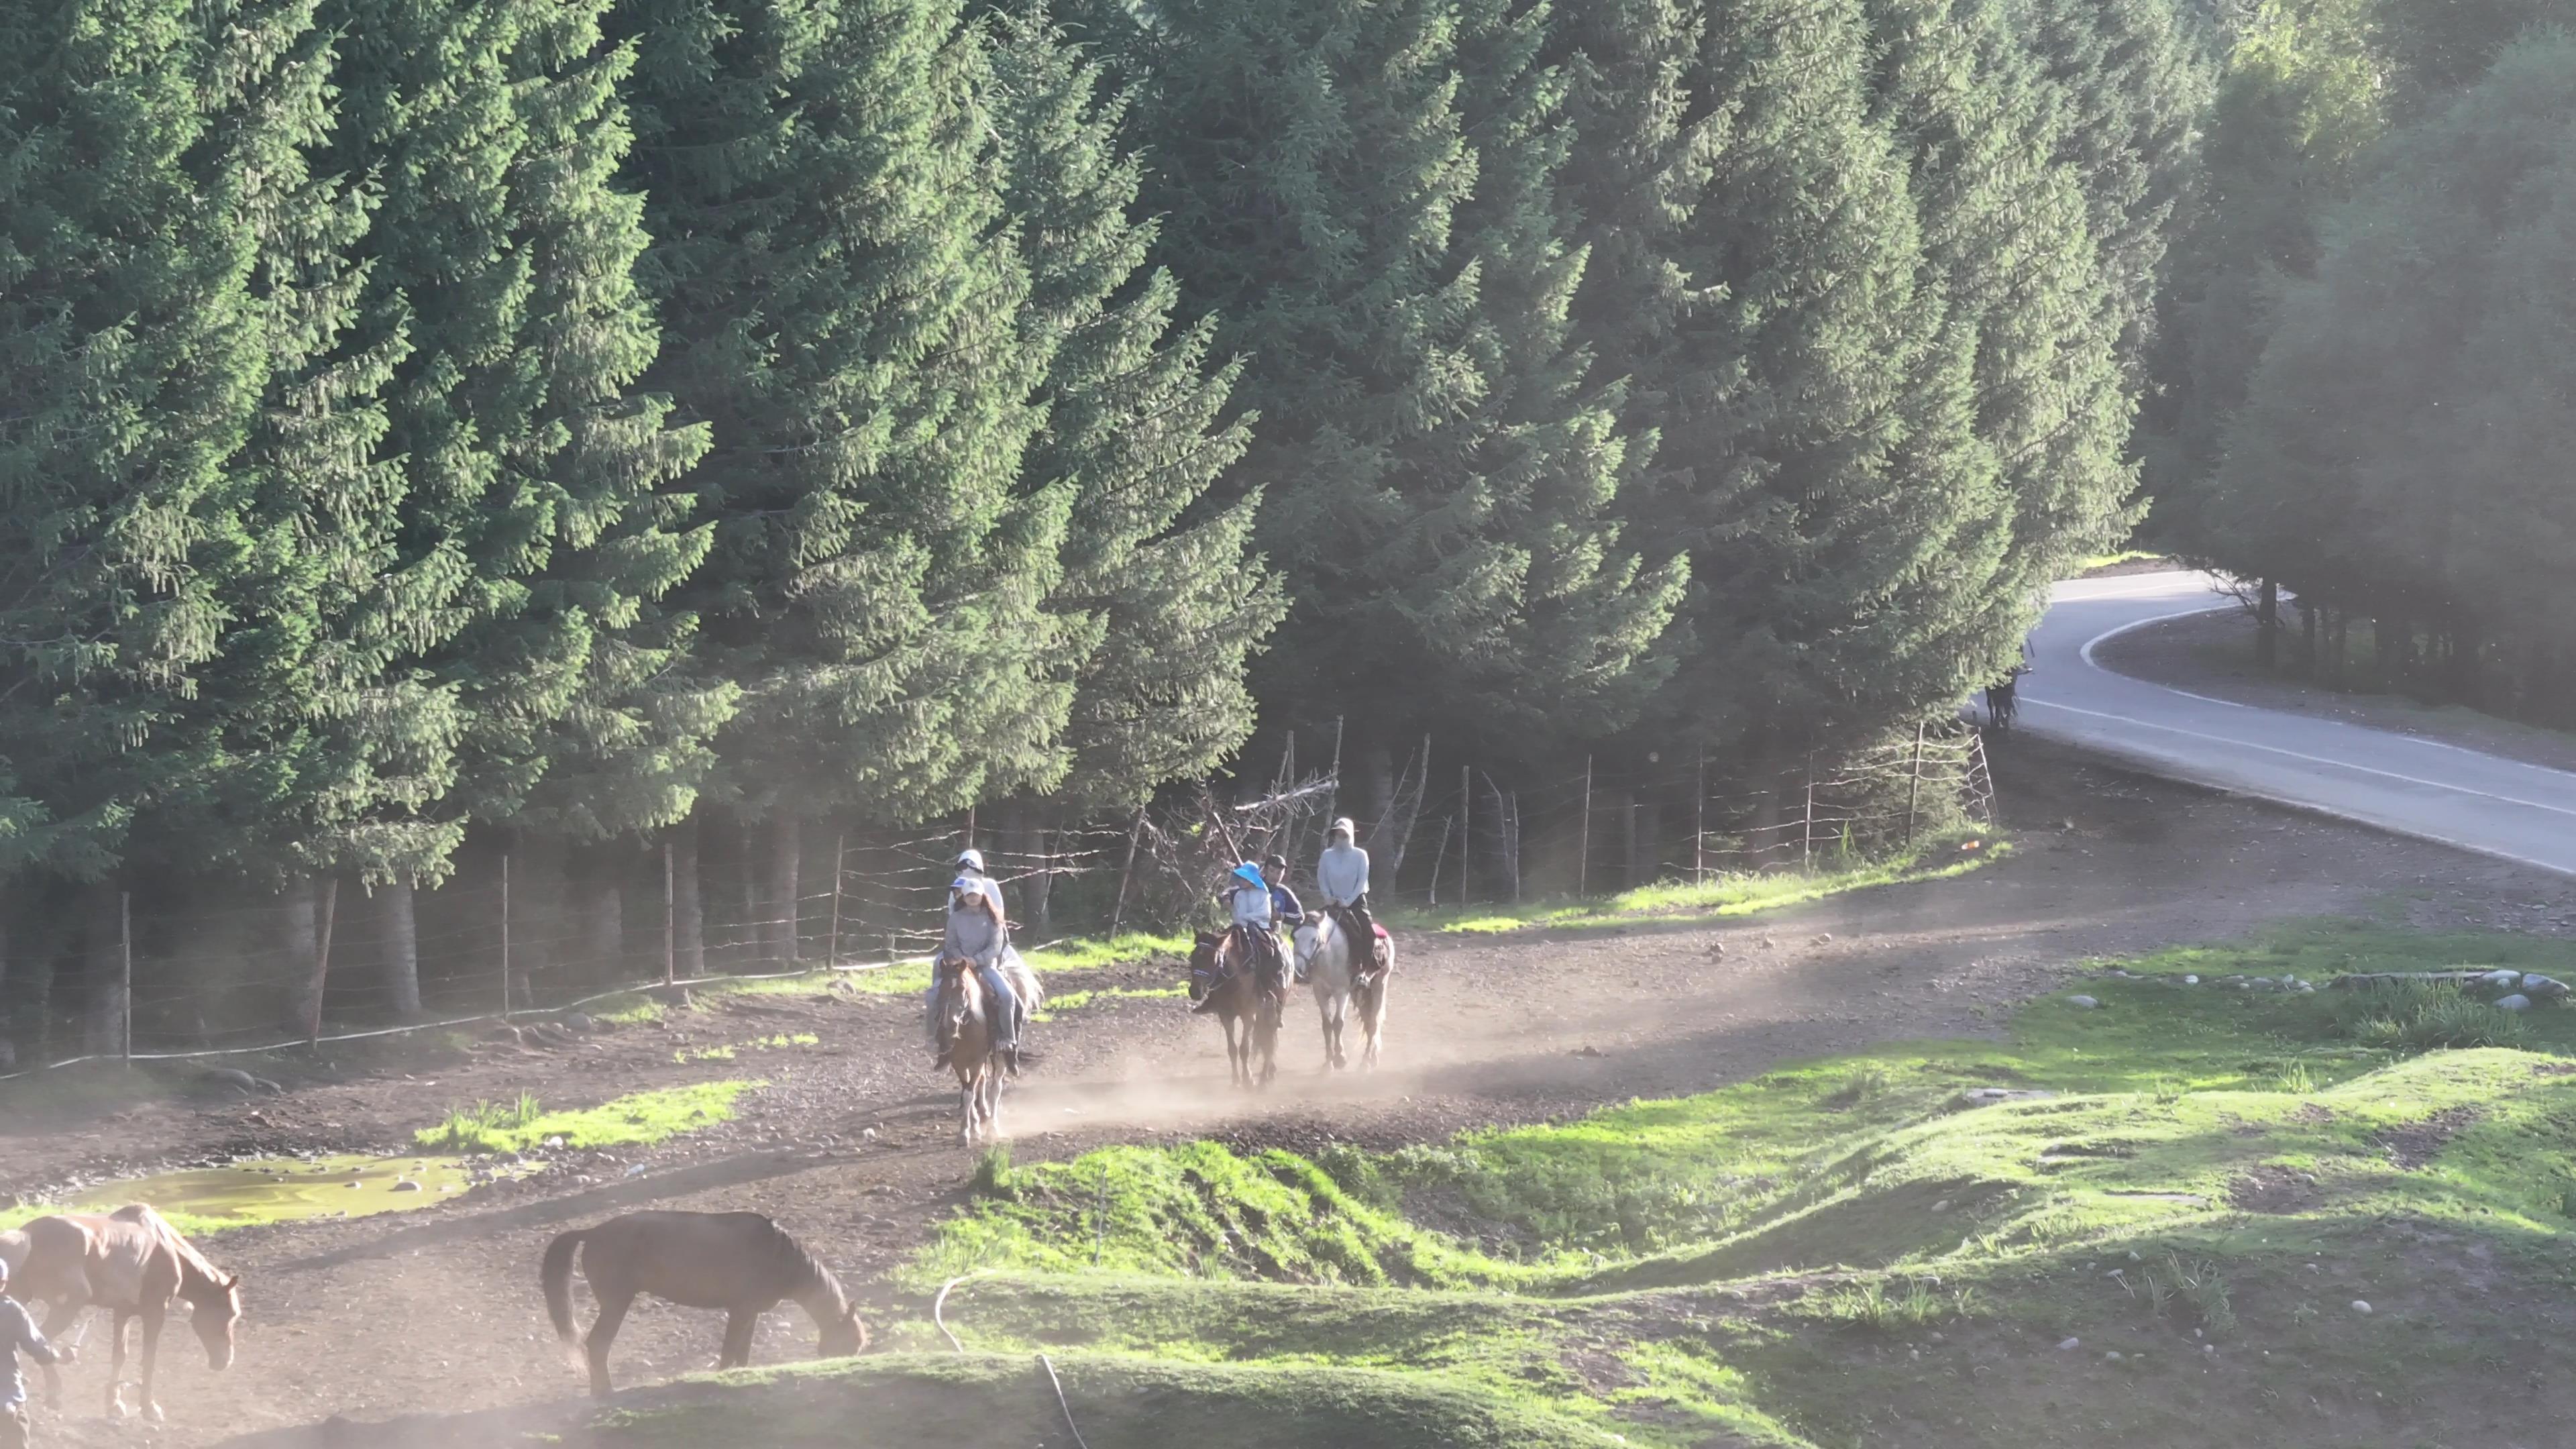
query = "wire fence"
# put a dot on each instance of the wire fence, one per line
(181, 973)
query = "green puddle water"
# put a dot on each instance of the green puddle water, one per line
(273, 1190)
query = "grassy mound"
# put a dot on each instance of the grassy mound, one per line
(2150, 1220)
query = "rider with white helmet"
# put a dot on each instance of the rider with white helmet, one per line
(1342, 874)
(978, 929)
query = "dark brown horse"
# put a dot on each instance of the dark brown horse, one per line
(133, 1264)
(740, 1262)
(969, 1041)
(1249, 989)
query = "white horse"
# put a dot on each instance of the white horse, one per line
(1324, 956)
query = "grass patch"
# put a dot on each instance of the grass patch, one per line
(1064, 1001)
(1067, 957)
(639, 1119)
(1719, 895)
(728, 1051)
(2089, 564)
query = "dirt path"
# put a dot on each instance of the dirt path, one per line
(438, 1309)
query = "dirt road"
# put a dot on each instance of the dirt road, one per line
(438, 1309)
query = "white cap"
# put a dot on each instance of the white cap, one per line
(1343, 826)
(971, 860)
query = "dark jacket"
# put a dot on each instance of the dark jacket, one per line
(18, 1335)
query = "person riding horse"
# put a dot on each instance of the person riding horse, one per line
(18, 1335)
(1254, 909)
(979, 931)
(1342, 874)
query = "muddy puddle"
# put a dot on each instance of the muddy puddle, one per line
(277, 1190)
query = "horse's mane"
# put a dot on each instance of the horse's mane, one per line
(805, 1274)
(198, 1276)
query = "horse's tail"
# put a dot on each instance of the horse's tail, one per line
(556, 1278)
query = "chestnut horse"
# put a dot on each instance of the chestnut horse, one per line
(965, 1028)
(133, 1264)
(1252, 993)
(740, 1262)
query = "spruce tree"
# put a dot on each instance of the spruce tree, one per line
(1162, 601)
(842, 298)
(537, 527)
(1319, 189)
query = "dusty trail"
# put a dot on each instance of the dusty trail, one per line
(438, 1310)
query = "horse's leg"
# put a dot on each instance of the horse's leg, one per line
(116, 1368)
(966, 1089)
(612, 1314)
(740, 1324)
(993, 1106)
(154, 1314)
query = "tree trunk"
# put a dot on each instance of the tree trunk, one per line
(2463, 666)
(299, 924)
(2267, 630)
(786, 837)
(688, 916)
(2307, 640)
(1024, 844)
(2342, 647)
(401, 931)
(1650, 842)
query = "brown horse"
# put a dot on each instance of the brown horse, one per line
(740, 1262)
(1251, 992)
(967, 1036)
(133, 1264)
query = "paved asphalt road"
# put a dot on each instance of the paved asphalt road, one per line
(2412, 786)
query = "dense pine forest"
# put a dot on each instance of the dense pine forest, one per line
(639, 439)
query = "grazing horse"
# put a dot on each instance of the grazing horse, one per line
(740, 1262)
(1324, 955)
(1250, 993)
(133, 1264)
(966, 1034)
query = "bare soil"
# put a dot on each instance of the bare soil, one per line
(438, 1309)
(2213, 654)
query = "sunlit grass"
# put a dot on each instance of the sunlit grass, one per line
(639, 1119)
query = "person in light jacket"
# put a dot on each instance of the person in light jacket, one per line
(978, 930)
(1342, 874)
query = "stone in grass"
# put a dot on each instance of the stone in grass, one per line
(2544, 988)
(2082, 1003)
(2515, 1002)
(2502, 978)
(2072, 1343)
(2361, 1306)
(2191, 981)
(405, 1184)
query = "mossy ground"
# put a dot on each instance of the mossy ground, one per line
(638, 1119)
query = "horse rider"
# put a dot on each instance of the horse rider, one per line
(1287, 913)
(1342, 874)
(18, 1335)
(979, 930)
(1248, 900)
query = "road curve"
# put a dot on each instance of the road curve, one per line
(2424, 788)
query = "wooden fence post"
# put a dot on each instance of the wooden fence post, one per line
(1699, 820)
(670, 922)
(840, 853)
(1583, 841)
(125, 945)
(321, 959)
(1466, 829)
(1914, 787)
(1127, 872)
(1807, 826)
(505, 935)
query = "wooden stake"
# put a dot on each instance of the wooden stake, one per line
(1333, 797)
(1126, 873)
(1807, 826)
(125, 945)
(1914, 788)
(321, 959)
(1699, 820)
(840, 850)
(505, 935)
(670, 922)
(1583, 848)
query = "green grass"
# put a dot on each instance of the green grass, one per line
(1064, 1001)
(1780, 1261)
(2112, 560)
(1720, 895)
(640, 1119)
(730, 1050)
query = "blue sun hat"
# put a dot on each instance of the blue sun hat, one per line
(1250, 875)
